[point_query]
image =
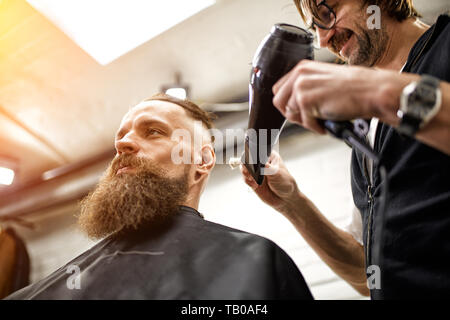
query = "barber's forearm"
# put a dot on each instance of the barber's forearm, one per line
(436, 133)
(337, 248)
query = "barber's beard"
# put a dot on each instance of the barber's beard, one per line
(128, 200)
(371, 45)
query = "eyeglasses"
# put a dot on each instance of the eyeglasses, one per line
(325, 18)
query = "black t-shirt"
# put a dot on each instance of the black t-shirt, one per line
(415, 239)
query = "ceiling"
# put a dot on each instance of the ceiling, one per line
(59, 106)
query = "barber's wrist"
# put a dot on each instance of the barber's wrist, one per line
(386, 100)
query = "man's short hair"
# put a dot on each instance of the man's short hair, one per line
(193, 110)
(398, 9)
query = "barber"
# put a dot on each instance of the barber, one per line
(398, 76)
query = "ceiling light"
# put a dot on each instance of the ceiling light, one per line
(179, 93)
(6, 176)
(177, 89)
(107, 29)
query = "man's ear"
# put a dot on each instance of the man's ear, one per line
(207, 160)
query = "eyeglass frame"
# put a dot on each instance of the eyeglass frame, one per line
(313, 24)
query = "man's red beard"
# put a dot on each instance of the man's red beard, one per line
(128, 200)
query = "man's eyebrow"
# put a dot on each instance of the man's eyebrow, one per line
(149, 122)
(144, 123)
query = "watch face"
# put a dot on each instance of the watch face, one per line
(421, 101)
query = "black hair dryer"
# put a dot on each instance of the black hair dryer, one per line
(277, 54)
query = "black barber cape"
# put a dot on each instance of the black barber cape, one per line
(188, 258)
(415, 240)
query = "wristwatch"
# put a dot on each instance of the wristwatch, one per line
(419, 103)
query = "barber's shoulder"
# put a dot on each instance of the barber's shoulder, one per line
(444, 21)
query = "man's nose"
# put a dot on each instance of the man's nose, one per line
(324, 36)
(126, 145)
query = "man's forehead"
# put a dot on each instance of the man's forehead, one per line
(162, 109)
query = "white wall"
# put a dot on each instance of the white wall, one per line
(321, 167)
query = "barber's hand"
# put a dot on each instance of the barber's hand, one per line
(278, 189)
(316, 90)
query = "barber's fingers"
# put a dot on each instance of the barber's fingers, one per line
(248, 177)
(312, 123)
(244, 171)
(303, 67)
(281, 98)
(303, 108)
(293, 112)
(287, 98)
(310, 102)
(276, 87)
(274, 157)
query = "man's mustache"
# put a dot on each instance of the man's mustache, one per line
(139, 164)
(126, 160)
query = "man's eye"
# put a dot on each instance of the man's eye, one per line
(152, 132)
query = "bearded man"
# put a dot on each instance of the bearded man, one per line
(156, 245)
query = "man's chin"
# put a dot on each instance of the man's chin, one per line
(353, 58)
(359, 60)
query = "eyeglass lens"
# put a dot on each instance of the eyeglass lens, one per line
(325, 16)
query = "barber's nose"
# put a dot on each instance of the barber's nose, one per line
(324, 36)
(126, 145)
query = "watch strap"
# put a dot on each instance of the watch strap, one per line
(409, 125)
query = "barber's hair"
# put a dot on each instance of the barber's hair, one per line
(193, 110)
(398, 9)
